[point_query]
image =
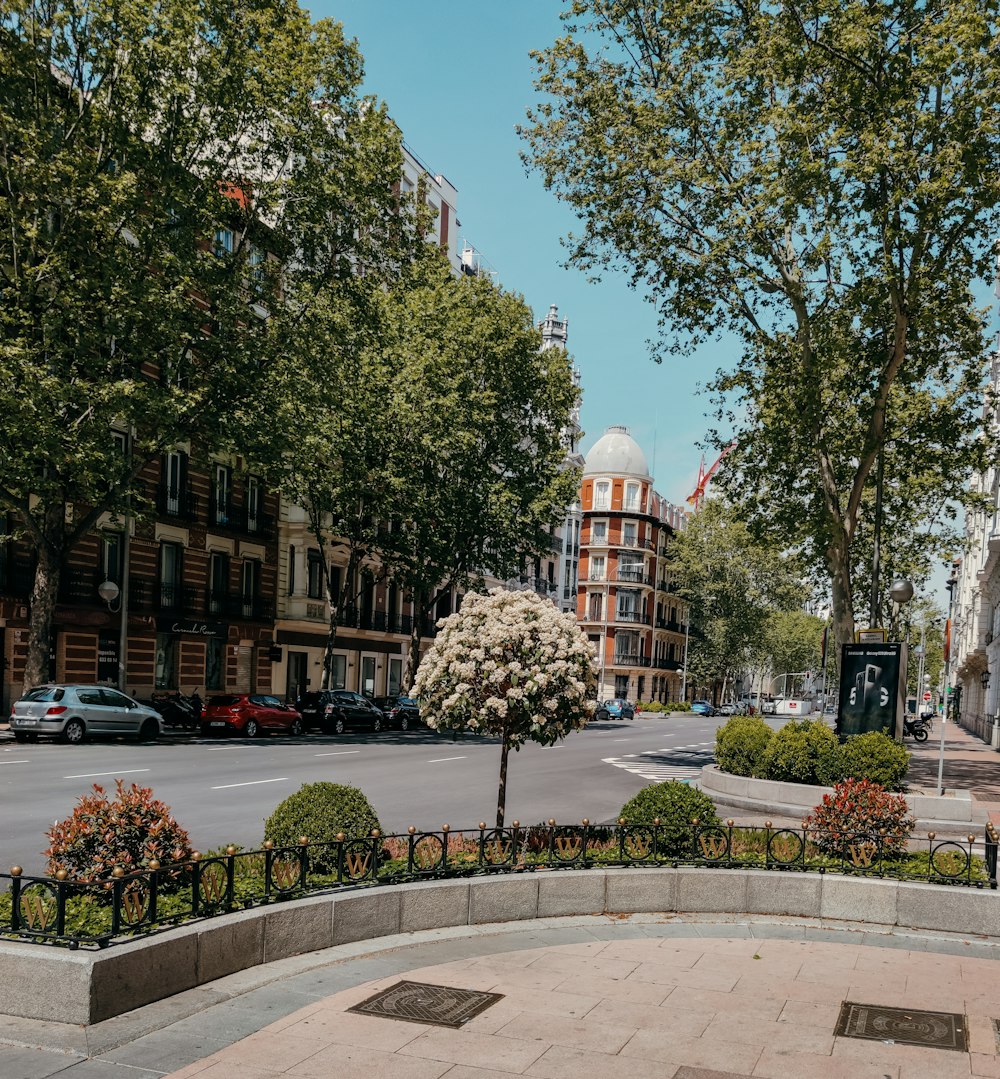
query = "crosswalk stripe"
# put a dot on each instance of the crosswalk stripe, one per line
(654, 772)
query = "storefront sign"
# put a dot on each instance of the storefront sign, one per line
(189, 627)
(872, 680)
(107, 658)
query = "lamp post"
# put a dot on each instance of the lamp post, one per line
(950, 584)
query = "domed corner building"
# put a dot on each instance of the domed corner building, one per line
(627, 602)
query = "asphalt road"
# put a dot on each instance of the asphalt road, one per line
(221, 790)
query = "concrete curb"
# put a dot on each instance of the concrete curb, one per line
(87, 987)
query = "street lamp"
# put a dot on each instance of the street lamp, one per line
(951, 584)
(109, 592)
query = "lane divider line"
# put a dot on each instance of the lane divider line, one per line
(251, 783)
(116, 772)
(339, 753)
(438, 760)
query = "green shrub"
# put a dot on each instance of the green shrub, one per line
(678, 706)
(860, 812)
(800, 752)
(740, 744)
(676, 805)
(319, 811)
(873, 756)
(128, 831)
(649, 706)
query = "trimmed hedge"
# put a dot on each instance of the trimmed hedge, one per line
(876, 757)
(319, 811)
(675, 805)
(740, 745)
(802, 751)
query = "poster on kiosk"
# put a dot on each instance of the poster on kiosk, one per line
(872, 689)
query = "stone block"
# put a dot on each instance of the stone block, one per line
(433, 905)
(571, 892)
(955, 909)
(712, 779)
(365, 914)
(711, 890)
(130, 975)
(641, 891)
(503, 899)
(305, 925)
(802, 794)
(932, 807)
(857, 899)
(45, 983)
(784, 892)
(230, 943)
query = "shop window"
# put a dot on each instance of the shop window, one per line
(395, 676)
(314, 582)
(338, 672)
(112, 548)
(166, 661)
(215, 652)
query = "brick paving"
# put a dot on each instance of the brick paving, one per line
(969, 764)
(670, 1008)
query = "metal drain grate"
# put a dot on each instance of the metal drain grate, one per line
(418, 1002)
(905, 1026)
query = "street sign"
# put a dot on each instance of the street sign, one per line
(927, 696)
(870, 636)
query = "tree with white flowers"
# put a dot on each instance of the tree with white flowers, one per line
(508, 664)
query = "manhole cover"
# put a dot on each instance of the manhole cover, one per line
(417, 1002)
(907, 1026)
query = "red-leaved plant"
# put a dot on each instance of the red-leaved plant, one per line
(861, 812)
(130, 830)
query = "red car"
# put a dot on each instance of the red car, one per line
(249, 714)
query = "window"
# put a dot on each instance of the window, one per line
(395, 677)
(629, 605)
(368, 676)
(256, 260)
(314, 579)
(112, 555)
(218, 593)
(253, 504)
(602, 496)
(120, 440)
(596, 607)
(338, 672)
(171, 567)
(225, 242)
(115, 699)
(250, 586)
(630, 534)
(631, 496)
(89, 696)
(165, 661)
(222, 489)
(173, 482)
(599, 532)
(597, 567)
(291, 570)
(214, 652)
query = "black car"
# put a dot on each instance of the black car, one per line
(401, 712)
(334, 711)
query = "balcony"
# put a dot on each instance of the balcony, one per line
(635, 617)
(667, 664)
(80, 586)
(633, 575)
(237, 605)
(169, 597)
(222, 514)
(177, 501)
(541, 585)
(630, 659)
(634, 544)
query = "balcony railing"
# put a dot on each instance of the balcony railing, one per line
(223, 514)
(633, 575)
(80, 586)
(171, 597)
(630, 659)
(177, 501)
(637, 617)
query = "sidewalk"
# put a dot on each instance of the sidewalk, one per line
(670, 997)
(969, 764)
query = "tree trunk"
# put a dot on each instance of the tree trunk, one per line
(44, 594)
(331, 643)
(838, 562)
(413, 652)
(502, 788)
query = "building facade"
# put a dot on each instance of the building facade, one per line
(627, 600)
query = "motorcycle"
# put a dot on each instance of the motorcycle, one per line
(917, 728)
(178, 710)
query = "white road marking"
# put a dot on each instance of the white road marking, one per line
(339, 753)
(91, 775)
(657, 773)
(251, 783)
(218, 749)
(16, 762)
(438, 760)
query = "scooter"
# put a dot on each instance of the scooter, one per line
(917, 728)
(177, 710)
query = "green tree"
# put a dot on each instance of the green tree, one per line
(135, 144)
(794, 641)
(477, 411)
(822, 179)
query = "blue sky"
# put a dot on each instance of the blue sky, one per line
(457, 78)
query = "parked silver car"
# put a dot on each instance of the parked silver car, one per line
(72, 712)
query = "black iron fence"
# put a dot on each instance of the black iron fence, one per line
(99, 912)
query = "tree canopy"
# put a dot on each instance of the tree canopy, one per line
(822, 179)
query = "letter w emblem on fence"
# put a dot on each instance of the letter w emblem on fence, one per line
(356, 863)
(862, 854)
(712, 846)
(37, 912)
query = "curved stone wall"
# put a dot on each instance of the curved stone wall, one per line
(87, 987)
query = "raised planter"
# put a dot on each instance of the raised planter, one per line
(87, 987)
(954, 808)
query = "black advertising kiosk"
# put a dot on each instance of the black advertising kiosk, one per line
(872, 689)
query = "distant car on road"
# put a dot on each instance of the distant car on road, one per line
(334, 711)
(767, 708)
(703, 708)
(728, 709)
(401, 712)
(74, 712)
(249, 714)
(618, 708)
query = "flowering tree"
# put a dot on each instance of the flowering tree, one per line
(508, 664)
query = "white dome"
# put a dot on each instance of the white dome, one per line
(616, 453)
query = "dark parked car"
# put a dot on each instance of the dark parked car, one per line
(250, 714)
(619, 708)
(401, 712)
(334, 711)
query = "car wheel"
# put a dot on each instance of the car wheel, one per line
(149, 731)
(74, 732)
(296, 728)
(205, 732)
(21, 736)
(377, 725)
(252, 729)
(338, 726)
(404, 724)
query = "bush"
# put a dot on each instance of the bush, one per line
(873, 756)
(859, 812)
(800, 752)
(319, 811)
(130, 830)
(740, 745)
(678, 706)
(676, 805)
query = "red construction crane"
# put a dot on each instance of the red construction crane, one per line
(698, 496)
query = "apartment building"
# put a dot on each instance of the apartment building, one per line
(627, 601)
